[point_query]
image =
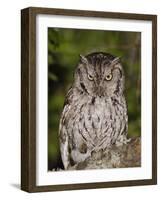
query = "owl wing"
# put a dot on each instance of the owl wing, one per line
(63, 132)
(122, 138)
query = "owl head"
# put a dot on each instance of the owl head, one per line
(99, 74)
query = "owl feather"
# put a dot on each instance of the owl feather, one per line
(94, 116)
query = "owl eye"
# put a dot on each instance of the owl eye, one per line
(109, 77)
(90, 77)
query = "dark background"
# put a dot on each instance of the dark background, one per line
(64, 47)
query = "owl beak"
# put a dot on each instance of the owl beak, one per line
(100, 91)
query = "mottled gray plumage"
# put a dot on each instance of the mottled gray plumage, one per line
(95, 112)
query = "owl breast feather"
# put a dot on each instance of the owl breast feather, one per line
(96, 122)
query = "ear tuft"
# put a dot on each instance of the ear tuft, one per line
(83, 59)
(116, 61)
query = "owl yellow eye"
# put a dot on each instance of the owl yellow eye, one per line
(90, 77)
(109, 77)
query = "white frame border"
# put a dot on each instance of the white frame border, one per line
(43, 177)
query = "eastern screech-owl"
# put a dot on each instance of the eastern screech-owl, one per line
(95, 112)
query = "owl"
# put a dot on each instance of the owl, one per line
(94, 116)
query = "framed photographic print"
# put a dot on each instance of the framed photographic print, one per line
(89, 99)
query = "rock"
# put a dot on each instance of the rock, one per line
(127, 155)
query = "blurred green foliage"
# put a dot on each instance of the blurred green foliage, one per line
(64, 47)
